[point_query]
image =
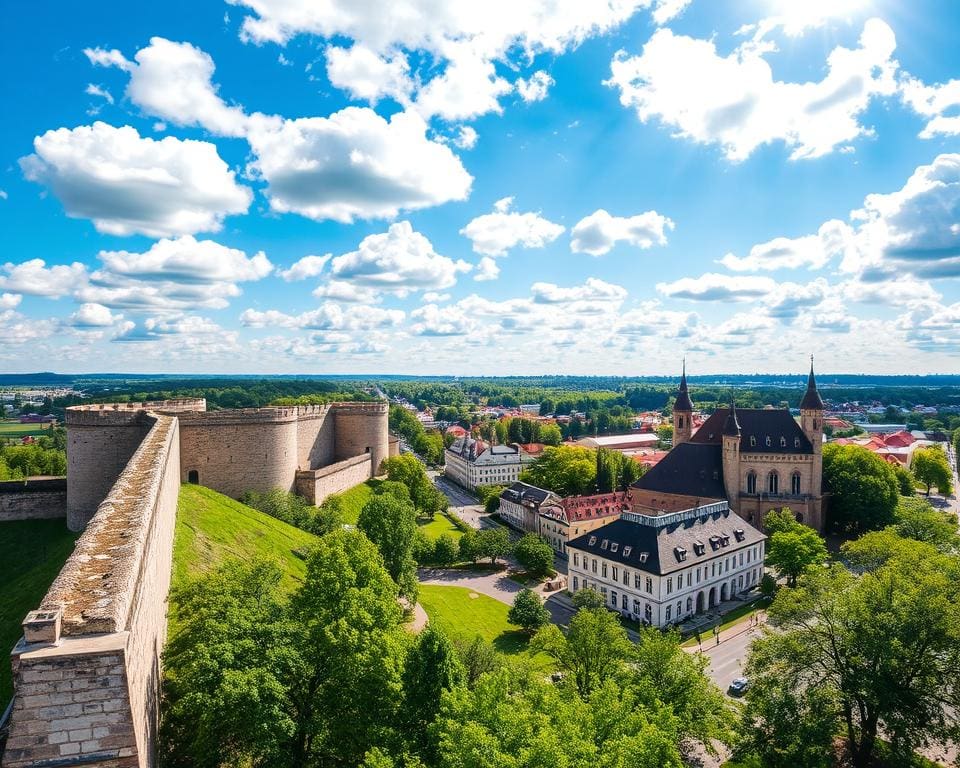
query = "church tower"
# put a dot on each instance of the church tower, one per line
(731, 458)
(811, 422)
(682, 411)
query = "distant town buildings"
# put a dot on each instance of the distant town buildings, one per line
(628, 444)
(520, 506)
(471, 462)
(663, 568)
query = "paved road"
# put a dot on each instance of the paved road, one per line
(728, 658)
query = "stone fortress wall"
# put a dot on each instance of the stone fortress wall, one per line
(87, 671)
(36, 498)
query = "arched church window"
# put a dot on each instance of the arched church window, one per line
(751, 482)
(795, 484)
(773, 483)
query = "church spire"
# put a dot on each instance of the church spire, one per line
(683, 402)
(731, 427)
(811, 398)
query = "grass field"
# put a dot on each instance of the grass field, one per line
(11, 428)
(463, 617)
(439, 525)
(32, 553)
(354, 499)
(212, 527)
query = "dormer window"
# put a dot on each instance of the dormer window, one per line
(627, 551)
(699, 547)
(739, 534)
(796, 442)
(768, 441)
(724, 541)
(603, 544)
(681, 553)
(614, 546)
(753, 441)
(714, 542)
(643, 557)
(783, 442)
(593, 540)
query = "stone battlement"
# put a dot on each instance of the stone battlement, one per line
(272, 413)
(95, 588)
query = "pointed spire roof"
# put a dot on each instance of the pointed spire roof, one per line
(731, 427)
(811, 398)
(683, 402)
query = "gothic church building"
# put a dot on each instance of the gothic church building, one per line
(757, 459)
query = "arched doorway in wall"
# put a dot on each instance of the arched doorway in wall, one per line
(193, 477)
(700, 602)
(724, 596)
(712, 597)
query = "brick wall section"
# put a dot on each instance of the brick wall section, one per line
(72, 708)
(33, 499)
(243, 450)
(112, 595)
(316, 484)
(315, 437)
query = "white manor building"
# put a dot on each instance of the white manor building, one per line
(471, 463)
(662, 569)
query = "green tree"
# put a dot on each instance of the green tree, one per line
(916, 519)
(593, 649)
(566, 470)
(588, 598)
(863, 486)
(535, 555)
(528, 611)
(905, 480)
(665, 435)
(493, 543)
(478, 658)
(931, 468)
(392, 525)
(432, 667)
(885, 645)
(445, 550)
(550, 434)
(469, 545)
(794, 548)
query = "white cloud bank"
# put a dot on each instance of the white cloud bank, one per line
(493, 234)
(599, 232)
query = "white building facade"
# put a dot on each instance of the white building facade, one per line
(663, 569)
(471, 463)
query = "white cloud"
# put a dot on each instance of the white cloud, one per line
(10, 300)
(328, 317)
(355, 164)
(341, 290)
(810, 251)
(599, 232)
(932, 101)
(652, 320)
(102, 57)
(308, 266)
(534, 89)
(127, 184)
(788, 300)
(93, 316)
(399, 260)
(17, 329)
(667, 10)
(96, 90)
(365, 74)
(188, 260)
(35, 278)
(466, 137)
(3, 194)
(716, 287)
(433, 297)
(487, 269)
(493, 234)
(457, 42)
(593, 290)
(734, 100)
(173, 81)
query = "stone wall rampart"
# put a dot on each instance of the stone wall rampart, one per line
(36, 498)
(317, 484)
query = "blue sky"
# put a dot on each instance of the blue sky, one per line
(499, 188)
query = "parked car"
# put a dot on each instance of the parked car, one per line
(739, 686)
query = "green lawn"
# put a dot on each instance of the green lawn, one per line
(439, 525)
(10, 428)
(212, 527)
(32, 553)
(463, 617)
(354, 499)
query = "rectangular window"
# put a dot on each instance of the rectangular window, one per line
(668, 613)
(576, 558)
(624, 602)
(576, 583)
(613, 598)
(741, 559)
(603, 591)
(636, 607)
(593, 565)
(679, 605)
(649, 585)
(669, 584)
(698, 575)
(626, 578)
(748, 554)
(604, 568)
(689, 578)
(636, 580)
(616, 573)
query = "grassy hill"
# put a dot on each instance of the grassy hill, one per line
(32, 553)
(212, 528)
(354, 499)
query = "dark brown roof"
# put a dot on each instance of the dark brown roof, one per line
(762, 430)
(683, 402)
(811, 398)
(691, 469)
